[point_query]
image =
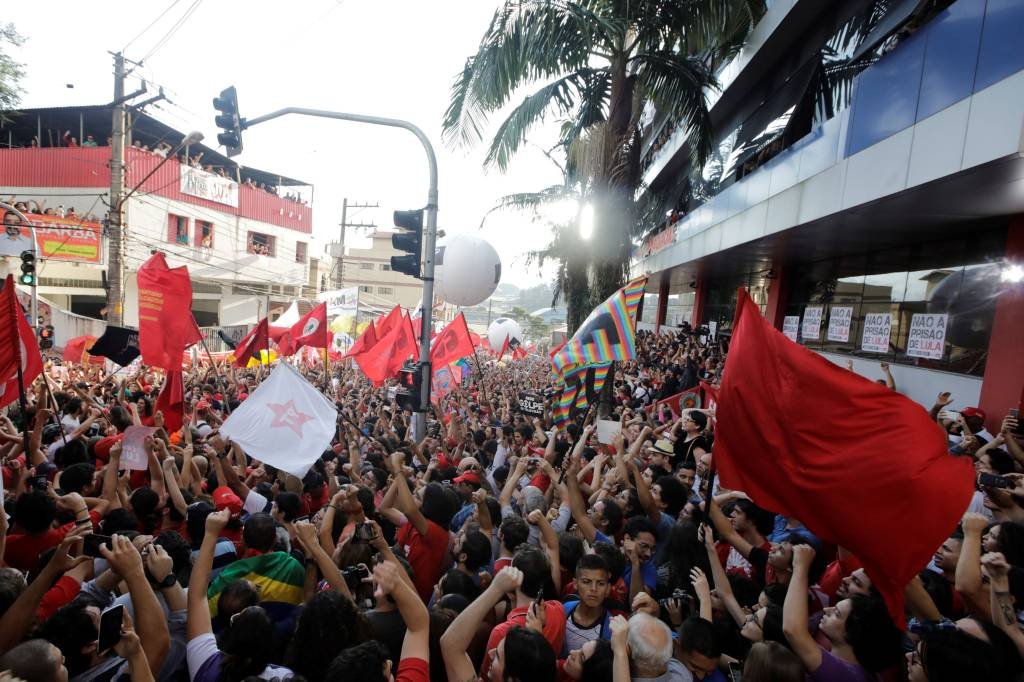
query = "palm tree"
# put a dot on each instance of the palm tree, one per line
(600, 63)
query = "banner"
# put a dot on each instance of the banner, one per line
(60, 239)
(198, 183)
(791, 326)
(877, 328)
(340, 301)
(531, 403)
(927, 337)
(812, 323)
(118, 344)
(839, 319)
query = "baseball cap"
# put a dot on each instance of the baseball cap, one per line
(973, 412)
(224, 498)
(468, 477)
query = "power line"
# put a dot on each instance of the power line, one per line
(151, 25)
(172, 30)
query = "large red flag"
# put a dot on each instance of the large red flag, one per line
(452, 343)
(74, 351)
(388, 322)
(310, 330)
(806, 438)
(387, 355)
(252, 343)
(166, 326)
(17, 346)
(504, 349)
(172, 401)
(366, 341)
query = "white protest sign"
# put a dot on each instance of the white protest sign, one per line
(877, 327)
(927, 337)
(791, 326)
(607, 429)
(812, 323)
(713, 328)
(839, 319)
(133, 447)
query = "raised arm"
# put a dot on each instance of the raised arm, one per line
(550, 538)
(149, 616)
(576, 505)
(460, 633)
(405, 502)
(416, 643)
(1002, 609)
(968, 567)
(727, 532)
(306, 533)
(199, 622)
(794, 610)
(721, 580)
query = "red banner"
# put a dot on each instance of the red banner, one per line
(166, 327)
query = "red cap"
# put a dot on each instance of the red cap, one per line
(468, 477)
(973, 412)
(103, 445)
(224, 498)
(202, 405)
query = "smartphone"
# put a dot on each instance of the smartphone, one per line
(38, 482)
(735, 672)
(93, 541)
(1019, 431)
(110, 628)
(364, 532)
(993, 481)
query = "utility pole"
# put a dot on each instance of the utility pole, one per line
(115, 233)
(339, 262)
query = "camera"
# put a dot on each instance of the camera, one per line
(684, 597)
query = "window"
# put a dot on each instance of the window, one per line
(177, 229)
(300, 252)
(261, 244)
(366, 266)
(386, 267)
(386, 291)
(204, 234)
(366, 290)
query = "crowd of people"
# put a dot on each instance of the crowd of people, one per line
(493, 547)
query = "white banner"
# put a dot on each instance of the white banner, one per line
(927, 337)
(877, 328)
(198, 183)
(791, 326)
(812, 323)
(340, 301)
(839, 319)
(133, 449)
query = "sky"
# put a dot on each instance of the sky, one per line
(391, 58)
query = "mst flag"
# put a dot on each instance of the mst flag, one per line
(118, 344)
(608, 333)
(252, 343)
(310, 330)
(17, 346)
(453, 343)
(801, 436)
(172, 401)
(166, 327)
(388, 355)
(285, 422)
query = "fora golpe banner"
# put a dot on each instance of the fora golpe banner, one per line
(199, 183)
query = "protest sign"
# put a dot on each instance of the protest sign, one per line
(531, 403)
(812, 323)
(133, 448)
(927, 338)
(877, 327)
(791, 326)
(839, 323)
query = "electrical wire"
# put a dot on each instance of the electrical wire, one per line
(151, 25)
(172, 30)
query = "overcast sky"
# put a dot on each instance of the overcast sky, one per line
(393, 58)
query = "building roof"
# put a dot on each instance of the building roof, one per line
(97, 120)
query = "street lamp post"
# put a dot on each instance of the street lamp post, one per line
(429, 237)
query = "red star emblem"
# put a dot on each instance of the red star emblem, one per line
(288, 416)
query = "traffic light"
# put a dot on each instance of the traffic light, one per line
(229, 120)
(28, 268)
(411, 242)
(46, 337)
(410, 387)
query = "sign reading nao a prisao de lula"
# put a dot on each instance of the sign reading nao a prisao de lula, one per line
(812, 323)
(877, 330)
(839, 319)
(927, 338)
(791, 326)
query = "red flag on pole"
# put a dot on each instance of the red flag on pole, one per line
(253, 342)
(75, 351)
(388, 322)
(310, 330)
(805, 438)
(387, 355)
(366, 341)
(166, 326)
(172, 401)
(504, 348)
(452, 343)
(17, 346)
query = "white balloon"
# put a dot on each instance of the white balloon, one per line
(502, 328)
(467, 269)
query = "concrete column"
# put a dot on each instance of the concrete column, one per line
(778, 294)
(662, 301)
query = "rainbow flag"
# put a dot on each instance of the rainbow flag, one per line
(581, 387)
(277, 575)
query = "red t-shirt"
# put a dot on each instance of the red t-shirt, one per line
(833, 576)
(413, 670)
(426, 555)
(22, 551)
(554, 629)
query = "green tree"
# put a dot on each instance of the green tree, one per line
(11, 72)
(599, 63)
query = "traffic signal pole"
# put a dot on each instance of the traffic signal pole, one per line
(429, 237)
(27, 222)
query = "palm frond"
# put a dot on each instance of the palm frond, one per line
(521, 201)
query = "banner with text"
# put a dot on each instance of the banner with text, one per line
(340, 301)
(198, 183)
(839, 319)
(812, 323)
(877, 328)
(56, 238)
(927, 337)
(791, 326)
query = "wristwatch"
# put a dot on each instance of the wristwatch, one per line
(168, 581)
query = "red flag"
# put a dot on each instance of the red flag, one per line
(310, 330)
(172, 401)
(17, 346)
(805, 438)
(476, 339)
(253, 342)
(388, 322)
(557, 348)
(519, 353)
(387, 355)
(452, 343)
(504, 348)
(166, 326)
(75, 350)
(366, 341)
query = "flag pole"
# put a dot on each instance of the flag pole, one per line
(480, 373)
(327, 368)
(53, 401)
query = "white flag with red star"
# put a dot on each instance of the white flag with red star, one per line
(285, 422)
